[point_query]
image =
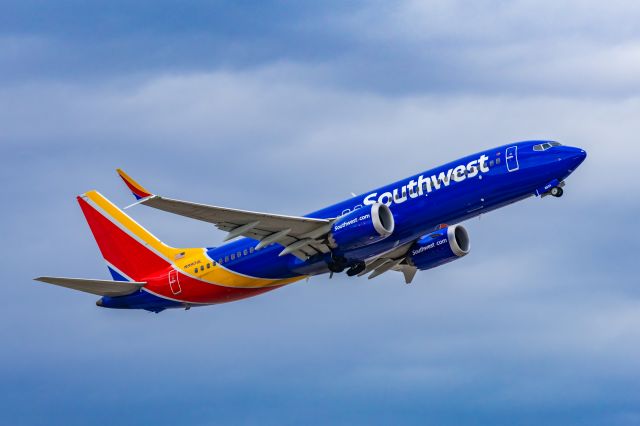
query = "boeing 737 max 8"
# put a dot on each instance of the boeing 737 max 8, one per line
(399, 227)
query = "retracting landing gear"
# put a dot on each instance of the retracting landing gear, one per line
(356, 269)
(556, 191)
(553, 188)
(337, 264)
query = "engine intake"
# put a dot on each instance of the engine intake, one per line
(440, 247)
(362, 227)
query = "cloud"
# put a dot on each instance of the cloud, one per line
(570, 48)
(537, 325)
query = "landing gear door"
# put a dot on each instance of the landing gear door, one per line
(511, 157)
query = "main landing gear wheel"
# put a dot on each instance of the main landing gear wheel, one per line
(337, 264)
(556, 191)
(356, 269)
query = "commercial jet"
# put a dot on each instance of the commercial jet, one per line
(408, 226)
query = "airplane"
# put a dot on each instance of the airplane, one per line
(408, 226)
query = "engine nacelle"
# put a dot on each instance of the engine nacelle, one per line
(439, 247)
(362, 227)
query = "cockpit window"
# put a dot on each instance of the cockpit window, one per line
(545, 146)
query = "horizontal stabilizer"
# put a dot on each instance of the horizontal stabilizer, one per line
(97, 287)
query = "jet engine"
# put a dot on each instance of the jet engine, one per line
(362, 227)
(442, 246)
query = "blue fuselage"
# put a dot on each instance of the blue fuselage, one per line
(449, 194)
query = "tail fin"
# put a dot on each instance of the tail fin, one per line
(131, 252)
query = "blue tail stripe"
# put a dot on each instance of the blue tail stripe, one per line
(116, 276)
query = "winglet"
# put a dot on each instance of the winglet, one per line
(138, 190)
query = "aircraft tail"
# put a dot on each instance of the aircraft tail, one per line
(132, 253)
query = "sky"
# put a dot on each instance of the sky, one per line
(287, 107)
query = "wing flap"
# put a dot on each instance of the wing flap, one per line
(97, 287)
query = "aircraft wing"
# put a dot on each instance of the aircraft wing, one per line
(301, 236)
(97, 287)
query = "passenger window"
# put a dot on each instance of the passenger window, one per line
(497, 161)
(220, 260)
(233, 256)
(208, 266)
(491, 163)
(245, 252)
(226, 258)
(202, 268)
(238, 255)
(196, 270)
(251, 249)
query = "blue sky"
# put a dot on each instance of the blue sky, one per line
(287, 107)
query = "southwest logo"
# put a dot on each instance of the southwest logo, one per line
(431, 183)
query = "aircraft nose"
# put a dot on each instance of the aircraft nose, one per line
(576, 157)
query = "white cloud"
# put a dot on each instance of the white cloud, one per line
(529, 310)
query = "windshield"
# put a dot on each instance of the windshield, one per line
(545, 146)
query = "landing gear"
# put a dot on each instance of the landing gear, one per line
(337, 264)
(356, 269)
(556, 191)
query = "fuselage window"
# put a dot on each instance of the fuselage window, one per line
(196, 270)
(245, 252)
(202, 268)
(226, 259)
(491, 163)
(238, 255)
(208, 266)
(220, 260)
(233, 256)
(250, 249)
(497, 161)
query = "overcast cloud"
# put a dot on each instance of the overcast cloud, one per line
(287, 108)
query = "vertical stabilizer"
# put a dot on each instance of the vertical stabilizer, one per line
(131, 252)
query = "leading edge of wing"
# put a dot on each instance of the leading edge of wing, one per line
(223, 217)
(208, 212)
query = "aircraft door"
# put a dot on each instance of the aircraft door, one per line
(511, 157)
(174, 282)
